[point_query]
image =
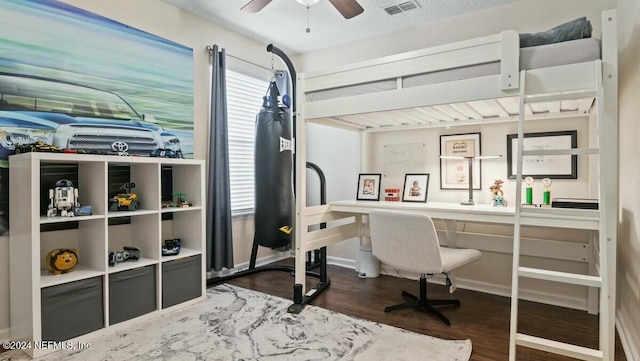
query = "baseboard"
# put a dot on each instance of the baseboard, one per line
(342, 262)
(245, 265)
(490, 288)
(630, 346)
(528, 295)
(498, 290)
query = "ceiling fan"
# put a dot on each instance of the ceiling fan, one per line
(348, 8)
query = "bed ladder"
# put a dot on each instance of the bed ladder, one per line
(604, 242)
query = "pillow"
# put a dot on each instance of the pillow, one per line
(572, 30)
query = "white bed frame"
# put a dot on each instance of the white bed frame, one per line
(590, 80)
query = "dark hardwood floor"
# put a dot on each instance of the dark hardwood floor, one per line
(483, 318)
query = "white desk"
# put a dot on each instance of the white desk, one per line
(348, 223)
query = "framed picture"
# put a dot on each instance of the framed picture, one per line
(416, 187)
(368, 187)
(454, 173)
(544, 166)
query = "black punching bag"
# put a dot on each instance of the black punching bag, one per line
(273, 178)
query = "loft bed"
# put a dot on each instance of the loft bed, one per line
(478, 64)
(477, 81)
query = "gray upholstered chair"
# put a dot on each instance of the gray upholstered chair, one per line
(409, 242)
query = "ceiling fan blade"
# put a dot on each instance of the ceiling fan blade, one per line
(348, 8)
(254, 6)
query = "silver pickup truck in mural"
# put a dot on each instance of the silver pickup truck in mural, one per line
(73, 117)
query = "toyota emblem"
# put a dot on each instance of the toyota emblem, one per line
(119, 146)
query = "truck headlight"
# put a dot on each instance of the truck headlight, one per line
(10, 136)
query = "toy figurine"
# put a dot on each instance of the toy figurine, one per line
(62, 260)
(181, 200)
(128, 253)
(171, 247)
(498, 196)
(63, 198)
(126, 201)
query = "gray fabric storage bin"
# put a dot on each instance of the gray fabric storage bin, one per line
(72, 309)
(132, 293)
(181, 280)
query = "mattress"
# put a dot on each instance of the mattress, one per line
(542, 56)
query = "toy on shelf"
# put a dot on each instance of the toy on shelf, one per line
(62, 260)
(529, 191)
(63, 198)
(171, 247)
(181, 200)
(166, 153)
(546, 195)
(126, 201)
(128, 253)
(392, 194)
(497, 200)
(36, 147)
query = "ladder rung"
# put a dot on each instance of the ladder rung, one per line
(572, 151)
(560, 348)
(564, 277)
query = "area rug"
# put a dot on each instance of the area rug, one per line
(239, 324)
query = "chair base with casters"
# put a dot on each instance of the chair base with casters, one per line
(408, 241)
(423, 303)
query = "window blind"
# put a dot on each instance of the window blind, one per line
(244, 99)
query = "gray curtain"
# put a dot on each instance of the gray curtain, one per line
(219, 236)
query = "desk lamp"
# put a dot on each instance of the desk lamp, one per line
(470, 181)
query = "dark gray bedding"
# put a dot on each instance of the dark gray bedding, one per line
(576, 29)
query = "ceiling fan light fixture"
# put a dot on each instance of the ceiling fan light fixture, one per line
(307, 3)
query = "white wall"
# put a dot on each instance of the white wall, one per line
(628, 302)
(336, 152)
(493, 142)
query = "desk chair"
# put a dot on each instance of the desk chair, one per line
(409, 242)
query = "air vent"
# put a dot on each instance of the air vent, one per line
(402, 7)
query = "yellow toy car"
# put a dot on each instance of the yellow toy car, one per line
(126, 201)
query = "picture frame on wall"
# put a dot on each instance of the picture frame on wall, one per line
(416, 187)
(369, 186)
(544, 166)
(454, 173)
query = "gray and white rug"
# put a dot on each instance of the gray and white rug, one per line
(239, 324)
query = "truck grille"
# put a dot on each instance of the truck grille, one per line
(142, 146)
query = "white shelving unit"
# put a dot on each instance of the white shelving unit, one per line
(94, 237)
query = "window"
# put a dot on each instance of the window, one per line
(244, 99)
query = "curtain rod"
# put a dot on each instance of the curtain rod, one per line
(209, 49)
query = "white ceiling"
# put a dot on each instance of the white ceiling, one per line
(284, 22)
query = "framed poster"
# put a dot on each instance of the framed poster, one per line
(454, 173)
(416, 187)
(99, 85)
(368, 187)
(544, 166)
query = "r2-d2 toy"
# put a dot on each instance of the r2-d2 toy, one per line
(63, 198)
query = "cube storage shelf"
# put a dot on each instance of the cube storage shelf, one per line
(155, 283)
